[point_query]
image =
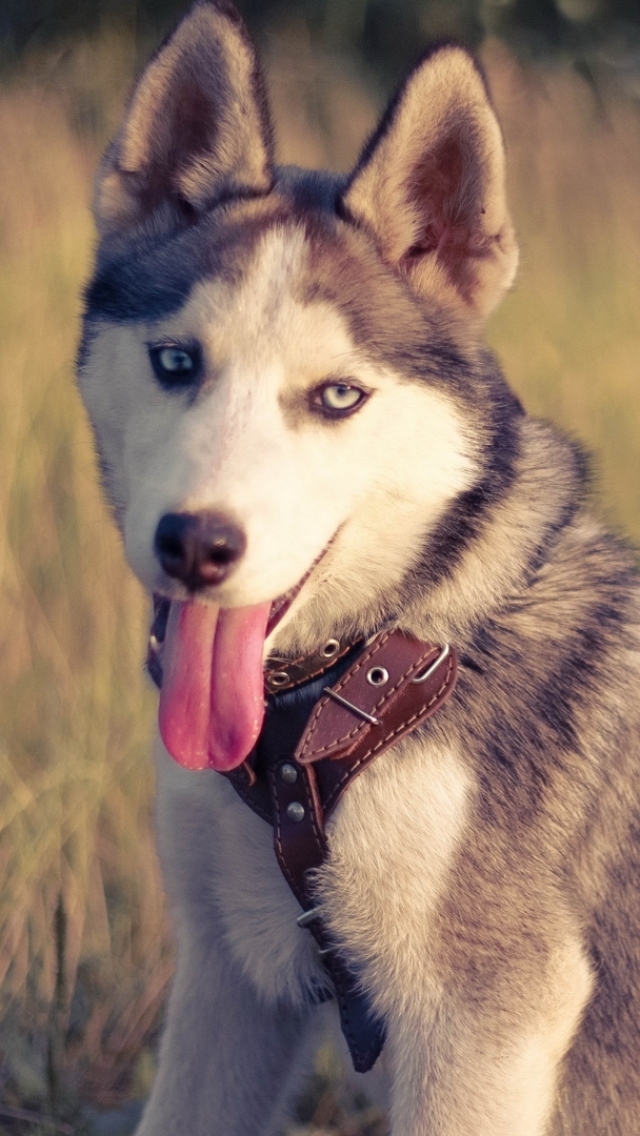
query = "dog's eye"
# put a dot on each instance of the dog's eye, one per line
(175, 366)
(339, 398)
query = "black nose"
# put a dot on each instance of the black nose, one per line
(199, 549)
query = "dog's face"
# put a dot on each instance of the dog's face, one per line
(277, 419)
(279, 367)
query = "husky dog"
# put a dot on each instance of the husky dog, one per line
(294, 411)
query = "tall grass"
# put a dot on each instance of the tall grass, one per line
(83, 947)
(569, 334)
(81, 909)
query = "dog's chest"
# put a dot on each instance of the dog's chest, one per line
(391, 841)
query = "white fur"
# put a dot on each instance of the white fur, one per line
(364, 491)
(234, 910)
(457, 1073)
(408, 809)
(295, 483)
(422, 807)
(393, 842)
(291, 489)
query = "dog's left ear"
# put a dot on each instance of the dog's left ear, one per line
(430, 184)
(196, 131)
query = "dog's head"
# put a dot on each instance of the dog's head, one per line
(283, 368)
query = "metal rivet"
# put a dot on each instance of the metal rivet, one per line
(289, 773)
(331, 648)
(377, 676)
(295, 811)
(278, 678)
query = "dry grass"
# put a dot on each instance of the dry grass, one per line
(569, 334)
(74, 718)
(83, 953)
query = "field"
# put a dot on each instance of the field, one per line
(85, 958)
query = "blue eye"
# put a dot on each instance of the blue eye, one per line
(175, 366)
(338, 399)
(341, 396)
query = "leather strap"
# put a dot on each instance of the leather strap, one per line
(313, 743)
(333, 713)
(282, 674)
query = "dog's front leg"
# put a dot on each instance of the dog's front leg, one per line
(475, 1067)
(227, 1062)
(476, 966)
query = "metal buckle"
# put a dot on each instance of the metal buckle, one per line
(349, 706)
(433, 666)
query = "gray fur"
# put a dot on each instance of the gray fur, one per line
(483, 874)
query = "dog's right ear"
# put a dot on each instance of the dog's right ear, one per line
(196, 130)
(430, 186)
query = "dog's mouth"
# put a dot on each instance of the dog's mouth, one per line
(207, 662)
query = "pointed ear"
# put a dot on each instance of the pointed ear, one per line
(196, 130)
(431, 186)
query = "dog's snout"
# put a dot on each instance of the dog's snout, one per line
(200, 549)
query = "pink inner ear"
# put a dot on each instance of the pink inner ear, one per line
(196, 129)
(429, 242)
(447, 186)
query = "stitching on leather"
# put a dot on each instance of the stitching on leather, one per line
(312, 813)
(309, 676)
(349, 674)
(305, 677)
(271, 668)
(388, 737)
(335, 971)
(278, 828)
(384, 698)
(313, 721)
(278, 835)
(345, 996)
(342, 981)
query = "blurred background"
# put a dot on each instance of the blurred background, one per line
(85, 958)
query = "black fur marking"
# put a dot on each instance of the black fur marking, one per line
(136, 289)
(84, 346)
(525, 700)
(568, 513)
(152, 279)
(310, 190)
(466, 517)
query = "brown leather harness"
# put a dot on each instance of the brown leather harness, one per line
(328, 717)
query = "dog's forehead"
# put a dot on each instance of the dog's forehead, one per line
(272, 278)
(254, 256)
(150, 276)
(271, 311)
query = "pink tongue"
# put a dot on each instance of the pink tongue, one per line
(211, 701)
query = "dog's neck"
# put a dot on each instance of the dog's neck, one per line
(517, 537)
